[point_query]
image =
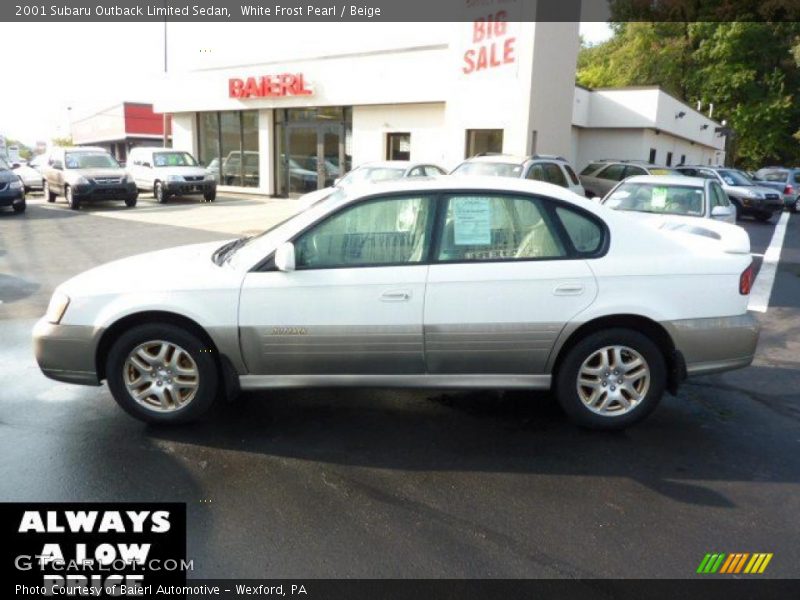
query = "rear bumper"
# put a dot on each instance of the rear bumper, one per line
(716, 344)
(66, 352)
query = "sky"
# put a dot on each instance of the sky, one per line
(102, 64)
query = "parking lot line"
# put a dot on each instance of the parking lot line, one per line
(762, 288)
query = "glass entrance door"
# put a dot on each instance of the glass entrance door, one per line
(313, 157)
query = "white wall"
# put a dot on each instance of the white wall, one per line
(183, 133)
(695, 153)
(595, 144)
(423, 121)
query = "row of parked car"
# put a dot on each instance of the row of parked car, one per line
(84, 174)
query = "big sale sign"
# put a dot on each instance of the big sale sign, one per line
(491, 46)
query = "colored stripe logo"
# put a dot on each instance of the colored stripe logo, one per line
(735, 563)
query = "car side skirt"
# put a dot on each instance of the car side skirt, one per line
(449, 381)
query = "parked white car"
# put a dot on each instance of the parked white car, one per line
(376, 172)
(433, 283)
(31, 178)
(672, 197)
(167, 172)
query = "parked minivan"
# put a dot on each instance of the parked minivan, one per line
(167, 172)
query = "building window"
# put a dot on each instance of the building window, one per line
(683, 159)
(228, 146)
(652, 155)
(669, 159)
(481, 141)
(398, 146)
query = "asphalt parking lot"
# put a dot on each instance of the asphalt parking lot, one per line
(384, 483)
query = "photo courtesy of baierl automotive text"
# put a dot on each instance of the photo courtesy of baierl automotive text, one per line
(493, 299)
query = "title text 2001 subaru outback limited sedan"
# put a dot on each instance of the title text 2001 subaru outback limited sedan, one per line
(447, 283)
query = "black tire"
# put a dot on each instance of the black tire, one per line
(131, 201)
(566, 382)
(20, 208)
(49, 196)
(74, 203)
(796, 205)
(210, 196)
(158, 192)
(764, 217)
(208, 380)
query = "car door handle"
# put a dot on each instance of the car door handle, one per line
(396, 296)
(569, 289)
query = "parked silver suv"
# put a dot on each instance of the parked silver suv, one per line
(539, 167)
(599, 177)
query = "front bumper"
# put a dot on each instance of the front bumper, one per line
(716, 344)
(66, 352)
(12, 197)
(94, 191)
(186, 188)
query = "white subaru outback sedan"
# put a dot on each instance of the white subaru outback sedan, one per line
(439, 283)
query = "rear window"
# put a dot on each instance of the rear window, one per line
(779, 176)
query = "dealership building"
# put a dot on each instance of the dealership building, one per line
(286, 126)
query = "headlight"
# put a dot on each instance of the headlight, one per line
(57, 307)
(81, 180)
(16, 184)
(174, 178)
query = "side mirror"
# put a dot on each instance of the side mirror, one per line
(720, 211)
(284, 257)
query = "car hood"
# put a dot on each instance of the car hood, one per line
(182, 171)
(181, 268)
(106, 172)
(6, 176)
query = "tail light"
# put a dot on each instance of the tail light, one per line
(788, 190)
(746, 280)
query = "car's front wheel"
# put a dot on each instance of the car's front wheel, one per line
(210, 196)
(49, 195)
(161, 373)
(130, 202)
(763, 216)
(20, 208)
(611, 379)
(72, 200)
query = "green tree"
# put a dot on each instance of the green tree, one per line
(749, 70)
(62, 141)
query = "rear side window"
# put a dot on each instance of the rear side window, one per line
(612, 173)
(591, 168)
(490, 228)
(572, 175)
(554, 174)
(585, 233)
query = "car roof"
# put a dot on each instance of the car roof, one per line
(391, 164)
(83, 149)
(499, 158)
(681, 180)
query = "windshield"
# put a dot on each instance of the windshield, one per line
(372, 175)
(492, 169)
(173, 159)
(254, 249)
(735, 178)
(89, 160)
(4, 166)
(658, 199)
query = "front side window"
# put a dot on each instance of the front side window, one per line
(486, 227)
(536, 172)
(554, 175)
(393, 231)
(656, 198)
(89, 160)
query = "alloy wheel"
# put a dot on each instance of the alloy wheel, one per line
(161, 376)
(613, 380)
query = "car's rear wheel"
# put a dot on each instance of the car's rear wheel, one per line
(159, 193)
(611, 379)
(72, 200)
(161, 373)
(50, 196)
